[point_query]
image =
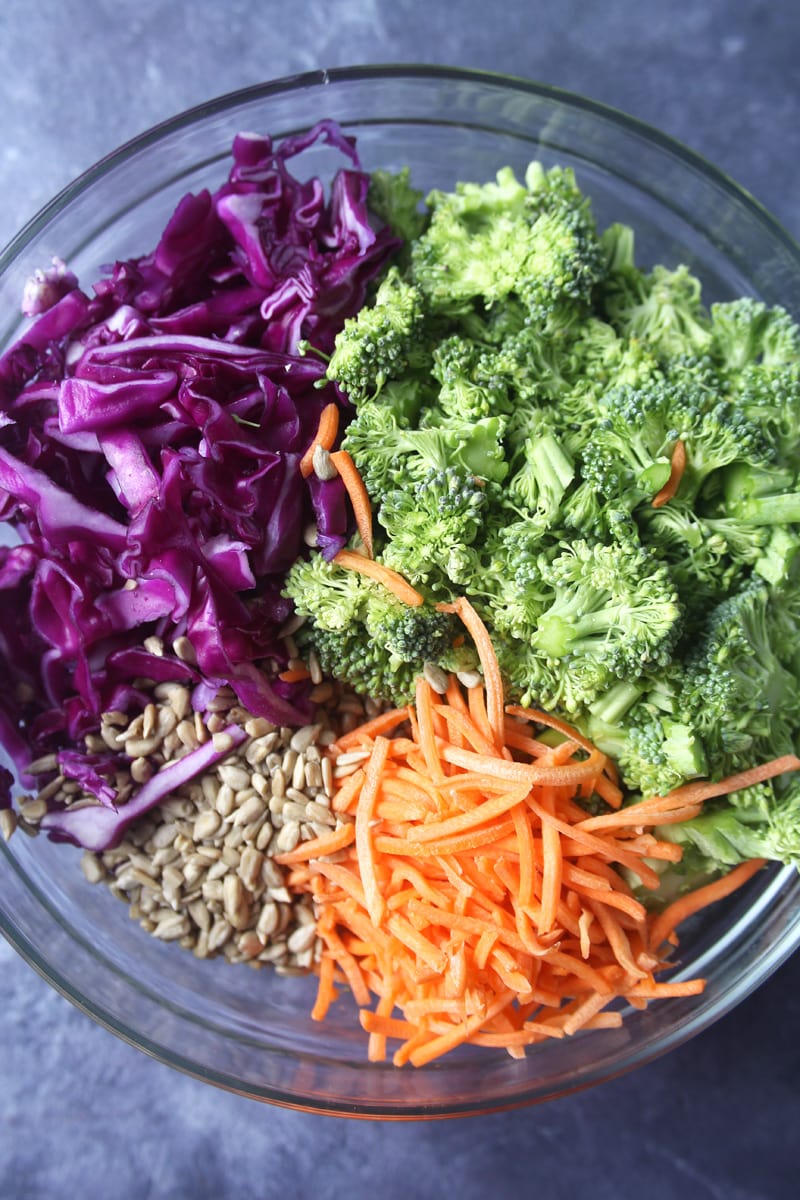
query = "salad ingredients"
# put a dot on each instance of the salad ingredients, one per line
(607, 470)
(199, 866)
(477, 896)
(287, 469)
(151, 445)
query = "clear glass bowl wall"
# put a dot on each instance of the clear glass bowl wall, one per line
(249, 1030)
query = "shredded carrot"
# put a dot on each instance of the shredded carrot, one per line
(472, 899)
(677, 468)
(358, 495)
(552, 865)
(492, 678)
(686, 906)
(326, 843)
(325, 437)
(385, 575)
(385, 722)
(375, 903)
(294, 674)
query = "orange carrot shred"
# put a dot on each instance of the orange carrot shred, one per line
(358, 495)
(686, 906)
(473, 899)
(326, 843)
(325, 437)
(677, 468)
(390, 579)
(294, 674)
(488, 659)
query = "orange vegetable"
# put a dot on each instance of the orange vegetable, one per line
(325, 437)
(686, 906)
(474, 899)
(359, 497)
(294, 675)
(491, 670)
(385, 575)
(677, 467)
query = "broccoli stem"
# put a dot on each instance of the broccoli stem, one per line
(613, 704)
(553, 463)
(558, 634)
(770, 510)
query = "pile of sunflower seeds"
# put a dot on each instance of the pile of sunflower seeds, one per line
(199, 870)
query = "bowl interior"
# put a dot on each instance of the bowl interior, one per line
(250, 1030)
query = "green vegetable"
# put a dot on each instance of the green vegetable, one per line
(363, 634)
(520, 387)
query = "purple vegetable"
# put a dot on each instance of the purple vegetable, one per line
(98, 827)
(92, 772)
(150, 439)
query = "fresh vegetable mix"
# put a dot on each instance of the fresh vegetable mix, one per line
(154, 453)
(607, 469)
(474, 893)
(465, 458)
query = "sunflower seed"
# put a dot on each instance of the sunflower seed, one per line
(172, 927)
(206, 825)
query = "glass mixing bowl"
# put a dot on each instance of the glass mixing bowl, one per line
(246, 1030)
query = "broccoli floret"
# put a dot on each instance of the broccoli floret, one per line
(389, 455)
(573, 622)
(663, 309)
(368, 668)
(362, 633)
(628, 458)
(538, 362)
(430, 527)
(319, 589)
(640, 725)
(707, 556)
(736, 691)
(748, 331)
(395, 202)
(411, 634)
(605, 358)
(546, 471)
(726, 702)
(381, 342)
(510, 586)
(614, 606)
(488, 241)
(770, 398)
(469, 387)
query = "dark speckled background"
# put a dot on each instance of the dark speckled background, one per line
(84, 1116)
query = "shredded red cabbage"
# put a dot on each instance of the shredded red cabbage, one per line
(150, 439)
(98, 827)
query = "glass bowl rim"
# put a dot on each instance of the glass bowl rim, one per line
(788, 939)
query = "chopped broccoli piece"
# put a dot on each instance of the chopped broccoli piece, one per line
(546, 472)
(761, 497)
(470, 388)
(399, 205)
(362, 634)
(488, 241)
(748, 331)
(614, 605)
(663, 309)
(629, 456)
(736, 691)
(379, 343)
(430, 528)
(387, 454)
